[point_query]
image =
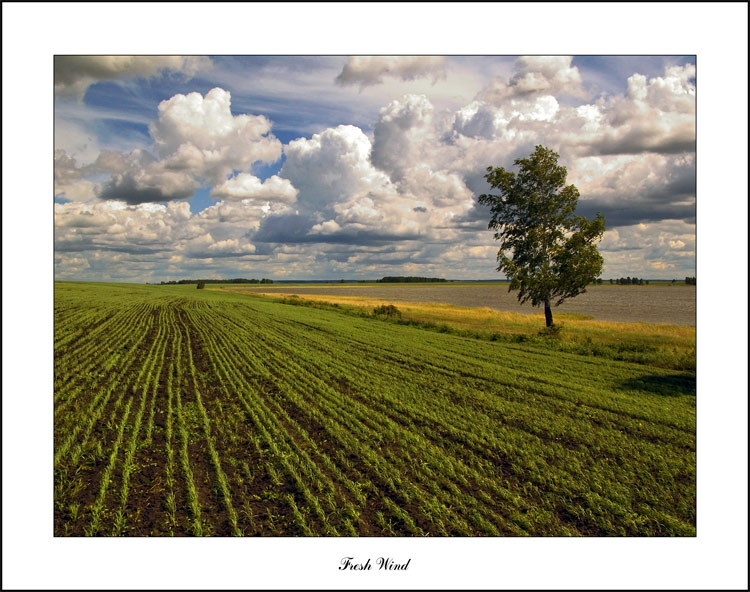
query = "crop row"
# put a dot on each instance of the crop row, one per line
(197, 413)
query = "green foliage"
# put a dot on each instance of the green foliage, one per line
(388, 310)
(201, 285)
(209, 281)
(551, 331)
(295, 300)
(547, 252)
(630, 281)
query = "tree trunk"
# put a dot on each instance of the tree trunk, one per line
(547, 312)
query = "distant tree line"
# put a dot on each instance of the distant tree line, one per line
(408, 279)
(634, 281)
(629, 281)
(233, 281)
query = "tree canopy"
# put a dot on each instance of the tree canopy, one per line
(546, 251)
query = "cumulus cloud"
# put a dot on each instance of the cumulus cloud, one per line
(636, 189)
(160, 231)
(138, 177)
(197, 140)
(356, 192)
(437, 188)
(330, 167)
(370, 70)
(246, 186)
(432, 176)
(403, 134)
(114, 162)
(207, 247)
(116, 226)
(70, 266)
(536, 75)
(476, 120)
(69, 179)
(230, 217)
(372, 219)
(401, 198)
(74, 74)
(145, 186)
(655, 115)
(514, 122)
(630, 155)
(200, 134)
(284, 228)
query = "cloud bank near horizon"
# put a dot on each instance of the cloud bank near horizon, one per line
(160, 176)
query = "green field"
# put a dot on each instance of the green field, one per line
(201, 412)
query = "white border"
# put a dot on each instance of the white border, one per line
(716, 32)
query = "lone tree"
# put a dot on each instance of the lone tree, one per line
(553, 255)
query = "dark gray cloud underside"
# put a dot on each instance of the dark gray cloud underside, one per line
(125, 188)
(637, 144)
(296, 228)
(79, 246)
(642, 213)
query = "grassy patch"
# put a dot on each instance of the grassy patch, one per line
(200, 412)
(664, 346)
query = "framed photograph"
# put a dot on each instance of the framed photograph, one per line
(345, 318)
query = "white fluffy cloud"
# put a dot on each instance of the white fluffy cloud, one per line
(374, 218)
(639, 177)
(116, 226)
(74, 74)
(197, 141)
(247, 186)
(200, 134)
(656, 115)
(207, 247)
(630, 155)
(331, 167)
(135, 177)
(637, 188)
(370, 70)
(404, 135)
(159, 230)
(516, 121)
(438, 188)
(357, 192)
(536, 75)
(230, 218)
(399, 199)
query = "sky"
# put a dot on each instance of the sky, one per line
(357, 167)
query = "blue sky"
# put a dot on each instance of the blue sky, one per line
(323, 167)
